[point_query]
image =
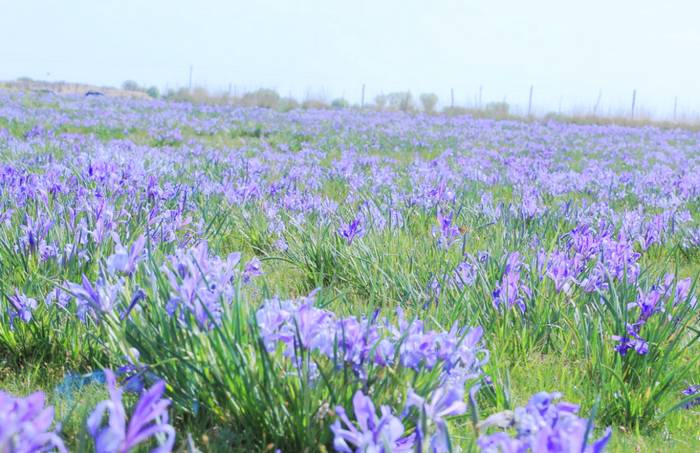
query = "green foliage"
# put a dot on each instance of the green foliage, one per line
(428, 101)
(340, 103)
(263, 97)
(401, 100)
(130, 85)
(153, 92)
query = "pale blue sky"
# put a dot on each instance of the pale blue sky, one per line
(569, 51)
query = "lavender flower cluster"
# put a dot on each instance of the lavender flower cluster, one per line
(543, 425)
(387, 432)
(200, 284)
(360, 343)
(651, 303)
(26, 423)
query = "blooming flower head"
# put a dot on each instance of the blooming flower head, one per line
(371, 433)
(464, 275)
(351, 231)
(253, 268)
(561, 270)
(121, 435)
(20, 307)
(124, 260)
(691, 391)
(511, 290)
(530, 204)
(648, 303)
(200, 283)
(446, 401)
(98, 298)
(25, 424)
(445, 232)
(543, 426)
(630, 341)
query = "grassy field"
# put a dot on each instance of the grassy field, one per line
(270, 267)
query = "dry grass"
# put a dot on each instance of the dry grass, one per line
(268, 98)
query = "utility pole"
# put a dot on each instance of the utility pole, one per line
(190, 83)
(529, 102)
(362, 102)
(597, 102)
(634, 101)
(452, 98)
(480, 89)
(675, 107)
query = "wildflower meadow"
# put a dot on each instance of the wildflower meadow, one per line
(194, 277)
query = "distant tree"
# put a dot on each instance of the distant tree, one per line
(153, 92)
(428, 101)
(287, 104)
(400, 100)
(130, 85)
(264, 97)
(340, 103)
(380, 101)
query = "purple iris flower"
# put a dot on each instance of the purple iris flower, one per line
(200, 283)
(511, 290)
(542, 426)
(561, 271)
(371, 432)
(501, 442)
(691, 239)
(683, 292)
(446, 233)
(253, 268)
(25, 424)
(445, 402)
(57, 296)
(464, 275)
(35, 231)
(434, 289)
(530, 205)
(20, 307)
(690, 391)
(149, 418)
(124, 260)
(100, 298)
(631, 341)
(648, 303)
(352, 230)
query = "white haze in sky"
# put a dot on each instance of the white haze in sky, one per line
(570, 52)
